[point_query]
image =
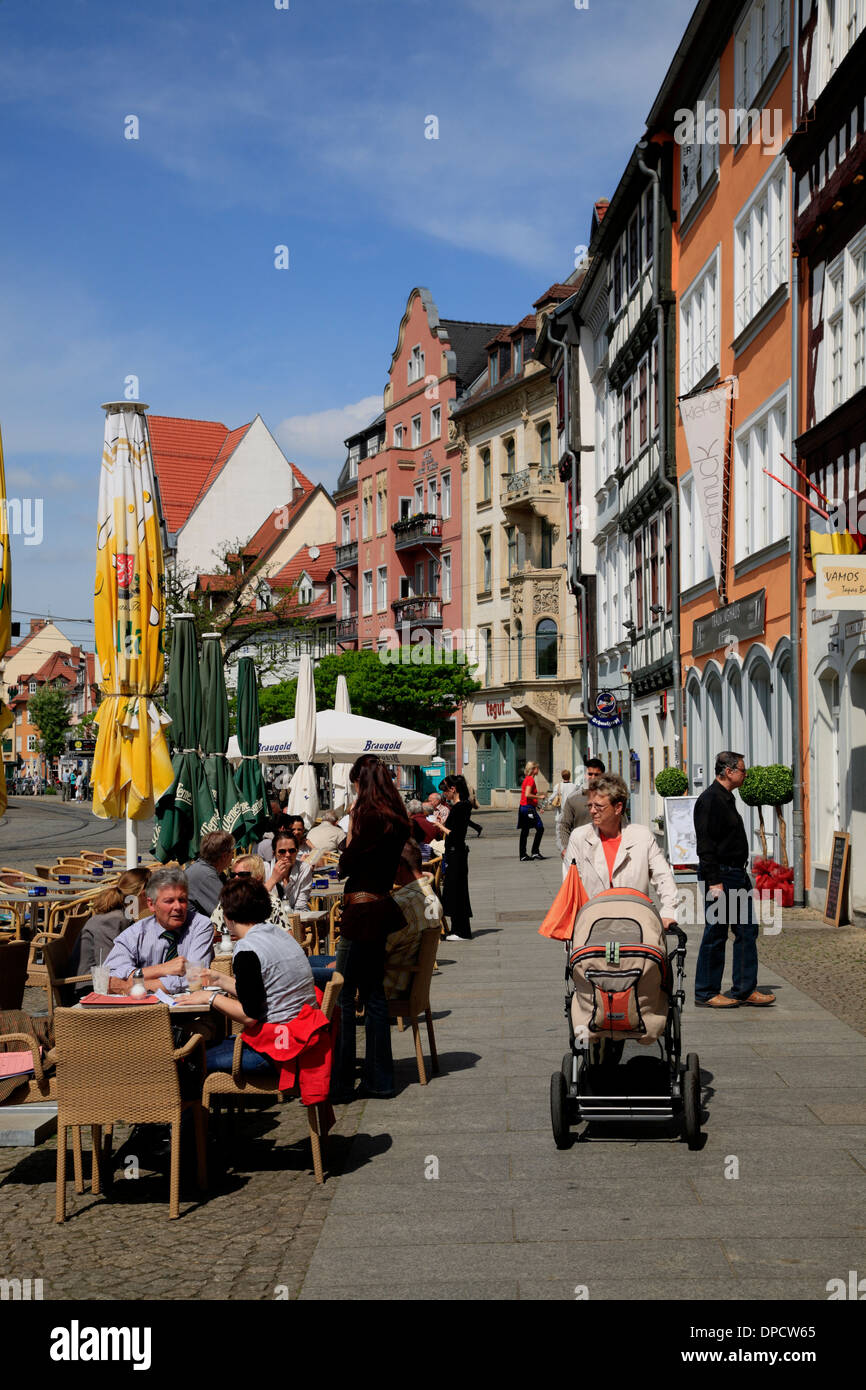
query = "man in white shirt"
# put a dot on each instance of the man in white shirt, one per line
(291, 879)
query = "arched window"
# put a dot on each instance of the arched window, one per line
(714, 727)
(518, 638)
(544, 442)
(546, 645)
(734, 724)
(509, 455)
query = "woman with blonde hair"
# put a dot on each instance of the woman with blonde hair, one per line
(253, 868)
(528, 816)
(116, 907)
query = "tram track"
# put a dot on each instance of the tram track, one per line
(55, 825)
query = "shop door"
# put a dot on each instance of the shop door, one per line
(486, 761)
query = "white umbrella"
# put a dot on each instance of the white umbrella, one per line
(303, 794)
(340, 771)
(342, 738)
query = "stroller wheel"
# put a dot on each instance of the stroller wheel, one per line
(692, 1100)
(567, 1060)
(559, 1111)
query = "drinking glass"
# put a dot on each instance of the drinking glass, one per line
(195, 970)
(100, 977)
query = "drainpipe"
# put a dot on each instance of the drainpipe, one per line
(671, 488)
(798, 846)
(575, 584)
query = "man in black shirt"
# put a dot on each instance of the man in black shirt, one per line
(723, 852)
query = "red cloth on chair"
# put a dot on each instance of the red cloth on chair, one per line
(302, 1049)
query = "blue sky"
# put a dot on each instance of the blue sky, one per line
(260, 127)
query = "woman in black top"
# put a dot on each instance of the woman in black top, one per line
(455, 866)
(378, 829)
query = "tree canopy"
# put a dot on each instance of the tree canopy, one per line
(49, 711)
(420, 697)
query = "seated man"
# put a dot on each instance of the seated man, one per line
(421, 908)
(155, 950)
(327, 836)
(205, 876)
(291, 879)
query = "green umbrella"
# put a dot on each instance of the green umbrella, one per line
(251, 783)
(186, 806)
(228, 811)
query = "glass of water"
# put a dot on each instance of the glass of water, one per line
(195, 971)
(100, 977)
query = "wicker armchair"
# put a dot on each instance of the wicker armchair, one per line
(237, 1086)
(119, 1064)
(14, 956)
(63, 931)
(416, 1004)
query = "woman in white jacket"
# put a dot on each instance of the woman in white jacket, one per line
(610, 855)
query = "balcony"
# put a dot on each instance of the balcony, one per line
(347, 628)
(535, 488)
(346, 556)
(422, 610)
(424, 529)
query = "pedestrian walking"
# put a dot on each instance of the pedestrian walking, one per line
(723, 853)
(455, 864)
(528, 816)
(64, 783)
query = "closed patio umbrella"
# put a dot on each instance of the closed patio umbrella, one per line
(131, 764)
(303, 793)
(187, 804)
(228, 809)
(250, 782)
(5, 610)
(340, 791)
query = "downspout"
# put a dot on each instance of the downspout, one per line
(671, 488)
(575, 584)
(798, 846)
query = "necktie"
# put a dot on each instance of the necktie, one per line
(170, 948)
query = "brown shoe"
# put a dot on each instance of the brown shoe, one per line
(759, 999)
(718, 1001)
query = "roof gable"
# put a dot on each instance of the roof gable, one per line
(188, 455)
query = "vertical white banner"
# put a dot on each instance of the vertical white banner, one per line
(705, 419)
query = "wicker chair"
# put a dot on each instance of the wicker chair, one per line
(119, 1064)
(64, 929)
(416, 1004)
(302, 934)
(14, 956)
(334, 918)
(237, 1086)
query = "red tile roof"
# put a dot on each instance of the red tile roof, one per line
(188, 455)
(556, 293)
(301, 563)
(214, 583)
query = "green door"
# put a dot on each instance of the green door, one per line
(486, 768)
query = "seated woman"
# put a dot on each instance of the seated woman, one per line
(272, 977)
(611, 855)
(121, 904)
(423, 830)
(252, 867)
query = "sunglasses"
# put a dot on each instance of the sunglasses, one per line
(281, 852)
(240, 873)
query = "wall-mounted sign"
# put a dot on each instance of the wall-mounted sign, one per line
(605, 713)
(734, 621)
(840, 581)
(492, 711)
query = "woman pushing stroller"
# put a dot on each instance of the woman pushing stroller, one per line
(610, 855)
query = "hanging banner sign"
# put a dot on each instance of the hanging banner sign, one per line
(606, 711)
(704, 420)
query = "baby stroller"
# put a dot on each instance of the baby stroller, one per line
(620, 988)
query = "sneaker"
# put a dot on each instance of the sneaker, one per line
(454, 937)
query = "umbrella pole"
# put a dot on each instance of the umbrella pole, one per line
(131, 844)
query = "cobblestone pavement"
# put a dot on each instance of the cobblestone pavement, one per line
(827, 963)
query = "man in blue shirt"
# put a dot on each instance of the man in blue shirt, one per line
(155, 950)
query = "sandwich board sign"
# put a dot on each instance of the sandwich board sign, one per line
(682, 841)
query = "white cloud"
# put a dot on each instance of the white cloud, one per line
(320, 436)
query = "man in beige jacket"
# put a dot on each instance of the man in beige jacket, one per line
(611, 855)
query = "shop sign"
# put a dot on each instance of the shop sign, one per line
(606, 713)
(491, 711)
(735, 621)
(841, 581)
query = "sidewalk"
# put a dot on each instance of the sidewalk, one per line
(510, 1216)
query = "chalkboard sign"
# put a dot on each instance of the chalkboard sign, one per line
(835, 904)
(680, 826)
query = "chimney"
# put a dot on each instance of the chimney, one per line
(37, 624)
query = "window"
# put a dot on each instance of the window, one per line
(346, 523)
(405, 508)
(845, 326)
(367, 591)
(760, 39)
(382, 588)
(517, 356)
(509, 455)
(415, 366)
(436, 422)
(405, 586)
(418, 499)
(544, 447)
(836, 325)
(637, 606)
(445, 496)
(615, 283)
(485, 475)
(760, 248)
(649, 236)
(511, 549)
(627, 424)
(332, 591)
(654, 568)
(858, 316)
(446, 577)
(416, 431)
(485, 654)
(760, 505)
(31, 743)
(633, 251)
(366, 517)
(305, 589)
(398, 436)
(33, 687)
(546, 644)
(432, 497)
(518, 643)
(347, 601)
(642, 405)
(699, 326)
(669, 566)
(486, 563)
(381, 503)
(698, 162)
(546, 544)
(494, 368)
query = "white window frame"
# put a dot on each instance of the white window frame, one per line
(433, 496)
(366, 516)
(418, 498)
(382, 589)
(346, 522)
(399, 431)
(761, 511)
(436, 422)
(699, 336)
(761, 246)
(445, 496)
(33, 687)
(446, 576)
(346, 605)
(844, 326)
(696, 565)
(367, 592)
(698, 162)
(416, 432)
(381, 510)
(415, 365)
(31, 743)
(761, 36)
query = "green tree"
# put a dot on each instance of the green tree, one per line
(420, 697)
(769, 786)
(672, 781)
(49, 711)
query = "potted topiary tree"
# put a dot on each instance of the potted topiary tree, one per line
(771, 786)
(778, 792)
(671, 781)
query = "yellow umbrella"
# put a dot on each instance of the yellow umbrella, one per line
(5, 608)
(131, 766)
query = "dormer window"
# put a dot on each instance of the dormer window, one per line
(517, 356)
(494, 368)
(263, 596)
(305, 589)
(504, 359)
(415, 366)
(33, 687)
